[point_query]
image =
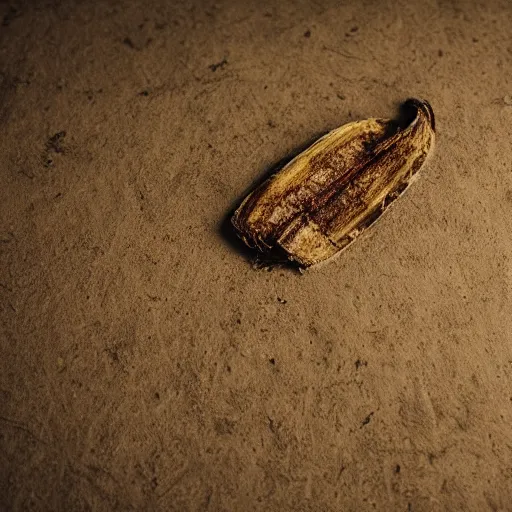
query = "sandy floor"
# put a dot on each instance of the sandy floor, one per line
(145, 365)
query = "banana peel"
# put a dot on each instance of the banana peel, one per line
(323, 199)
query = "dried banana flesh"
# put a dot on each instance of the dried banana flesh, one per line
(323, 199)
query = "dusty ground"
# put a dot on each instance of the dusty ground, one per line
(145, 365)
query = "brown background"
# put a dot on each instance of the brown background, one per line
(145, 365)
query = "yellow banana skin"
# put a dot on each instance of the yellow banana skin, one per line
(323, 199)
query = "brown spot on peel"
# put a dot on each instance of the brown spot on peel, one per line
(323, 199)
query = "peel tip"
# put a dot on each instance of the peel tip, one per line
(422, 105)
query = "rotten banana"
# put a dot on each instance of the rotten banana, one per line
(324, 198)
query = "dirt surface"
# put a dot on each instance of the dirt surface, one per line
(146, 365)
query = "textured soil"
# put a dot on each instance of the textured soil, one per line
(145, 364)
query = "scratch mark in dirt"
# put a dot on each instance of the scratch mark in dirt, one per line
(21, 427)
(343, 54)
